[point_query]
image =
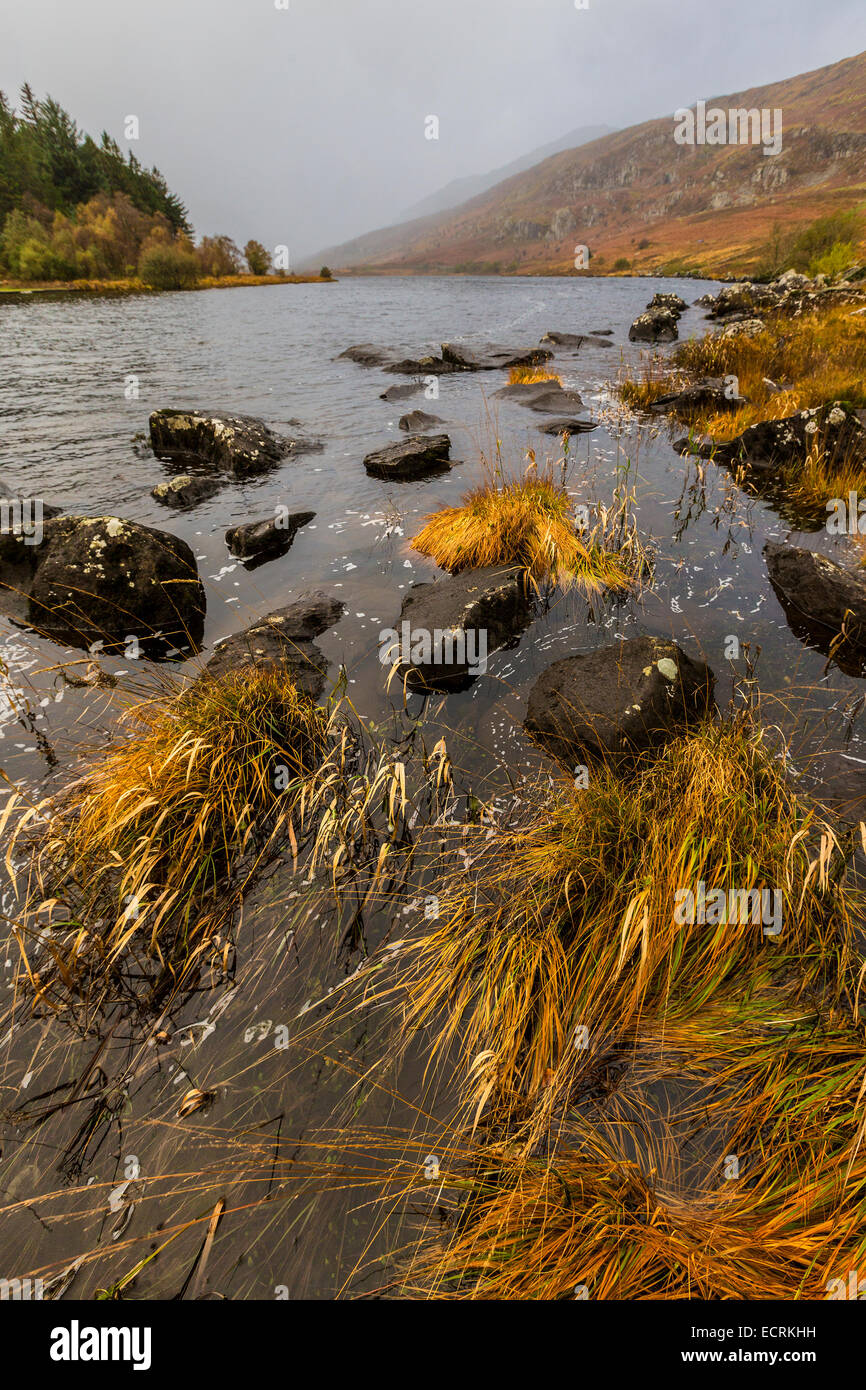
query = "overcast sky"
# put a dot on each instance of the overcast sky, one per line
(305, 126)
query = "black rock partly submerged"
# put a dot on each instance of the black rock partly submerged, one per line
(415, 457)
(618, 699)
(493, 601)
(108, 580)
(284, 639)
(240, 445)
(258, 541)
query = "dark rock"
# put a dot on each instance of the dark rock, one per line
(821, 601)
(454, 358)
(710, 393)
(414, 457)
(421, 366)
(601, 332)
(746, 299)
(569, 426)
(491, 358)
(577, 340)
(264, 540)
(401, 393)
(741, 328)
(284, 639)
(367, 355)
(673, 302)
(791, 294)
(24, 510)
(185, 491)
(236, 444)
(772, 444)
(547, 397)
(489, 607)
(419, 420)
(654, 326)
(621, 698)
(105, 579)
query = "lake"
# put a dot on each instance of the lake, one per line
(78, 380)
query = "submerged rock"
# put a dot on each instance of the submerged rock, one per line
(264, 540)
(185, 491)
(284, 639)
(569, 426)
(106, 579)
(236, 444)
(414, 457)
(491, 358)
(821, 601)
(367, 355)
(454, 358)
(547, 397)
(578, 340)
(654, 326)
(20, 512)
(401, 393)
(419, 420)
(621, 698)
(696, 446)
(447, 630)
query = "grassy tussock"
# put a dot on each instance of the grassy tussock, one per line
(570, 923)
(531, 523)
(816, 358)
(591, 1225)
(656, 380)
(140, 852)
(813, 359)
(530, 376)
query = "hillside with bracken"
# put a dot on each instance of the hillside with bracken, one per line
(644, 203)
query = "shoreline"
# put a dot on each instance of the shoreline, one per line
(16, 292)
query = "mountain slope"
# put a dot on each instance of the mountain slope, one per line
(461, 190)
(639, 195)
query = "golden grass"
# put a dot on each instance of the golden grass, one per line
(656, 379)
(580, 1183)
(529, 376)
(139, 854)
(590, 1224)
(818, 357)
(815, 359)
(531, 523)
(569, 922)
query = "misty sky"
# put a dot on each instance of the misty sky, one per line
(305, 126)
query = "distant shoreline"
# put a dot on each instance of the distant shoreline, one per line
(15, 291)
